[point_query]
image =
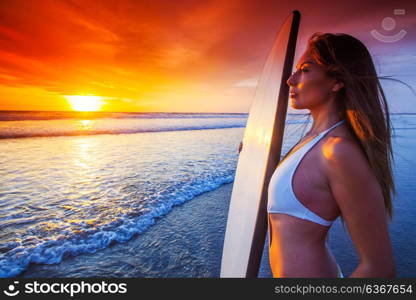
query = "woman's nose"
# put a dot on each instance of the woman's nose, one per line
(290, 81)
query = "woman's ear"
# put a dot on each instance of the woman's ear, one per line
(337, 86)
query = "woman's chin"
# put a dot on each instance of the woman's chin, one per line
(294, 103)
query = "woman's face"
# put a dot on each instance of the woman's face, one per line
(309, 85)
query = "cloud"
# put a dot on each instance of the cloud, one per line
(249, 82)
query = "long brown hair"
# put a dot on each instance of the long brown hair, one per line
(361, 102)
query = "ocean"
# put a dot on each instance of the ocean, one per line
(145, 194)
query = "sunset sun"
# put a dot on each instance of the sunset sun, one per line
(85, 103)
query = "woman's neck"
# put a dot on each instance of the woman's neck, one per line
(323, 118)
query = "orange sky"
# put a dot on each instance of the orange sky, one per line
(161, 56)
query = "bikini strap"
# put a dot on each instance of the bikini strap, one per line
(336, 124)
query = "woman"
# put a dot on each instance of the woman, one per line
(342, 166)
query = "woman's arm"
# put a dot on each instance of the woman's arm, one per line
(360, 199)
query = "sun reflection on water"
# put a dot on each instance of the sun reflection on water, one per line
(82, 150)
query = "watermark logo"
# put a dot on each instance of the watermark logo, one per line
(11, 291)
(389, 24)
(68, 288)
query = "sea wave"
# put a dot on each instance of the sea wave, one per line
(15, 256)
(56, 115)
(7, 133)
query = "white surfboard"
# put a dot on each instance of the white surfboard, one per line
(247, 217)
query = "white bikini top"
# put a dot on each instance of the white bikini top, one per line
(281, 197)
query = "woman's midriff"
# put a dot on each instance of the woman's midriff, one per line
(298, 248)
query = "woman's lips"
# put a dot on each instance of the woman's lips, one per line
(293, 95)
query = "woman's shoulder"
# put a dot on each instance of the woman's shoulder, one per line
(341, 150)
(339, 141)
